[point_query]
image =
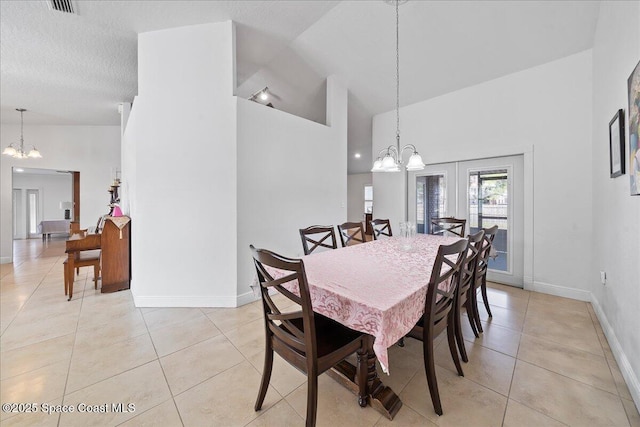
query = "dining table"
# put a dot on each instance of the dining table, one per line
(379, 288)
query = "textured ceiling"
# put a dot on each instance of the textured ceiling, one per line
(76, 69)
(68, 69)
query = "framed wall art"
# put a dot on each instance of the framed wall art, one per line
(633, 86)
(616, 144)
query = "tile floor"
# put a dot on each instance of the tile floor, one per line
(542, 361)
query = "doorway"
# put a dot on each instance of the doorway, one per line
(40, 195)
(485, 192)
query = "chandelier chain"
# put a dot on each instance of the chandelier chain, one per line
(397, 73)
(21, 129)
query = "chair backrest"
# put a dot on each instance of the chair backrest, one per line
(443, 284)
(318, 235)
(448, 224)
(283, 327)
(380, 227)
(485, 249)
(351, 233)
(468, 267)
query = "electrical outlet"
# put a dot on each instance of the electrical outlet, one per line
(603, 277)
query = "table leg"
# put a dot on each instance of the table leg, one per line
(379, 396)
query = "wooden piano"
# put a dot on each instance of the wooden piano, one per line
(115, 243)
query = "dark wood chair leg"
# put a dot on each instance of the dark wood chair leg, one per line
(266, 377)
(460, 338)
(451, 337)
(401, 342)
(470, 315)
(77, 271)
(312, 399)
(476, 312)
(430, 370)
(484, 295)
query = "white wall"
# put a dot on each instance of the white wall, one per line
(544, 111)
(91, 150)
(180, 154)
(298, 89)
(616, 214)
(355, 196)
(291, 174)
(52, 189)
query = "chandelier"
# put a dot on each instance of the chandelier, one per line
(19, 152)
(390, 158)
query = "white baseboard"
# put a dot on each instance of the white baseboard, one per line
(246, 298)
(528, 282)
(186, 301)
(630, 377)
(6, 260)
(559, 291)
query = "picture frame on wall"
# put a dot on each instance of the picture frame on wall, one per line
(616, 144)
(633, 87)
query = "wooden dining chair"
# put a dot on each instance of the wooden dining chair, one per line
(309, 341)
(465, 288)
(448, 224)
(351, 233)
(380, 227)
(318, 235)
(480, 277)
(440, 311)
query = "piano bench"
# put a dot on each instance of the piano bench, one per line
(82, 259)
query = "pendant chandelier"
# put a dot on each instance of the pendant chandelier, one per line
(390, 158)
(19, 152)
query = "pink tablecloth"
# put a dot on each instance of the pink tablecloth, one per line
(377, 287)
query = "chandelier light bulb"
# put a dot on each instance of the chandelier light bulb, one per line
(415, 162)
(10, 150)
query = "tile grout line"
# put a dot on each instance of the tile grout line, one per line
(28, 299)
(144, 319)
(22, 308)
(73, 347)
(513, 373)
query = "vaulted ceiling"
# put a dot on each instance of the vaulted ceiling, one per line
(76, 69)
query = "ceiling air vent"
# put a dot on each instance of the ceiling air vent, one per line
(65, 6)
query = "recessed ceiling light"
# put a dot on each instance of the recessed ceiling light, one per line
(19, 170)
(357, 156)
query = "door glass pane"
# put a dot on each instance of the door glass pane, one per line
(488, 206)
(430, 201)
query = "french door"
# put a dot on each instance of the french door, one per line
(485, 192)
